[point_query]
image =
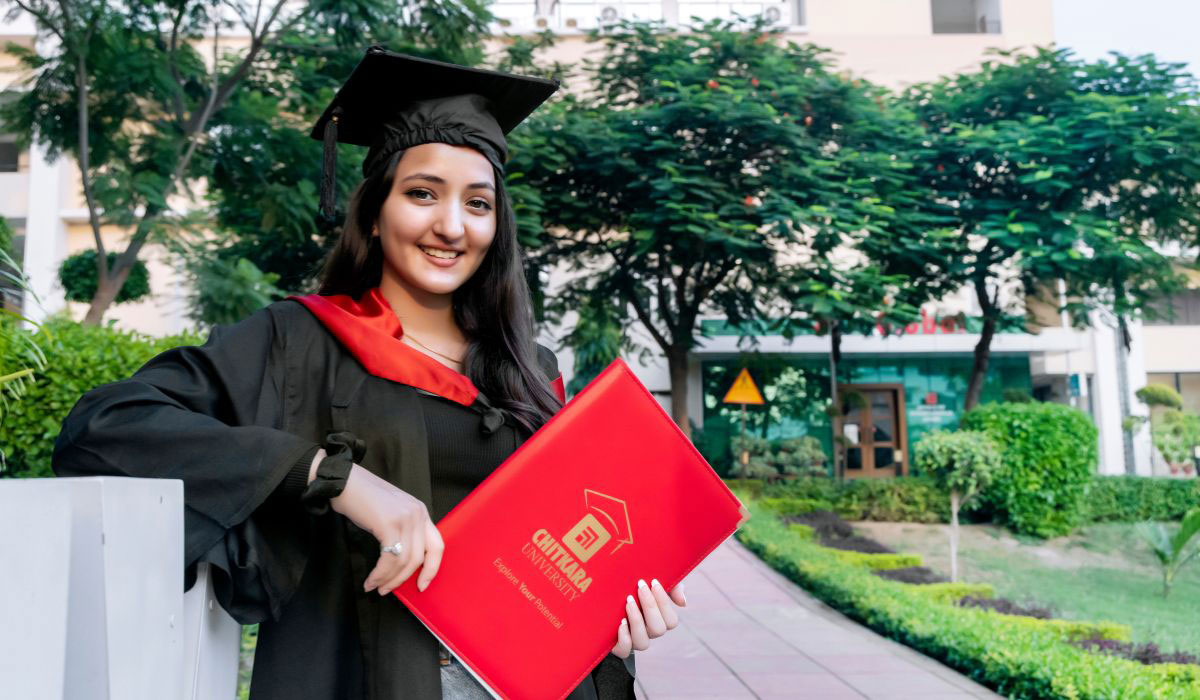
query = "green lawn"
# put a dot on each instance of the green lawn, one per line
(1104, 572)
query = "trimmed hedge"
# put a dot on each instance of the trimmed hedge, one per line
(1049, 453)
(1120, 499)
(1021, 658)
(878, 562)
(1132, 499)
(78, 359)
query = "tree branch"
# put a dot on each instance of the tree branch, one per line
(43, 18)
(632, 298)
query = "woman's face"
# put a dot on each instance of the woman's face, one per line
(439, 219)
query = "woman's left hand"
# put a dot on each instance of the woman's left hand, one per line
(655, 616)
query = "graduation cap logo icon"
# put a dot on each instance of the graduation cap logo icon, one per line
(607, 519)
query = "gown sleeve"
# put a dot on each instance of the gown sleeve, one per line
(207, 415)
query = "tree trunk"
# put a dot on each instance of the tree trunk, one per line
(954, 505)
(1123, 396)
(677, 364)
(107, 290)
(983, 353)
(835, 354)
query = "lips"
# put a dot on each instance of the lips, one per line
(440, 253)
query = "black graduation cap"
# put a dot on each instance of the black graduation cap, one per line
(393, 101)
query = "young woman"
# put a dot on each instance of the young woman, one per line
(320, 439)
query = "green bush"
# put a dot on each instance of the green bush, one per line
(1175, 434)
(802, 456)
(953, 592)
(1049, 453)
(79, 278)
(1018, 657)
(1160, 395)
(790, 505)
(78, 358)
(1131, 499)
(884, 561)
(903, 499)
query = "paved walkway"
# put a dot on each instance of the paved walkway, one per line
(748, 632)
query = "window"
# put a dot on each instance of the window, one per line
(10, 157)
(1182, 309)
(966, 16)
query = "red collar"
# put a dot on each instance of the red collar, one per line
(369, 329)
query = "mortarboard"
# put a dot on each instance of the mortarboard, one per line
(393, 101)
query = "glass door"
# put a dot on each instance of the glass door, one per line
(872, 428)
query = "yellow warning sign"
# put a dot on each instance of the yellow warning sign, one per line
(743, 390)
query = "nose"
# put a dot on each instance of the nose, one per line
(449, 223)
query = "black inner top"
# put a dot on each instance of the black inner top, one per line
(461, 454)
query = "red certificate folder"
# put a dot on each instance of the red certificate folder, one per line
(541, 556)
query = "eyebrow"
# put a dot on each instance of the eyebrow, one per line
(434, 178)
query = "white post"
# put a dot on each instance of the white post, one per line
(92, 594)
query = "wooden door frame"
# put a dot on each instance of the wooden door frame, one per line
(901, 424)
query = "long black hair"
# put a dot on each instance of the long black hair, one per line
(493, 308)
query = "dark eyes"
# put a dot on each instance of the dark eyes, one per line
(425, 195)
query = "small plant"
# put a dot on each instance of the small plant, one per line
(1175, 435)
(1172, 549)
(964, 463)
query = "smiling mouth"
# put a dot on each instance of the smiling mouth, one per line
(440, 252)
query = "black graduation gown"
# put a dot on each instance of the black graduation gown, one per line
(232, 419)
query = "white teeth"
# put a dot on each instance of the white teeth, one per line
(438, 253)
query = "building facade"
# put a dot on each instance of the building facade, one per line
(911, 383)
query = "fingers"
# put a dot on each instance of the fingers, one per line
(665, 607)
(678, 597)
(637, 625)
(414, 547)
(656, 626)
(434, 547)
(624, 644)
(388, 565)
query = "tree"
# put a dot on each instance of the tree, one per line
(684, 184)
(1054, 168)
(126, 92)
(963, 463)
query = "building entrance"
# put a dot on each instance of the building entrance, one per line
(873, 428)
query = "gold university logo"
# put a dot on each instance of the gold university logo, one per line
(607, 519)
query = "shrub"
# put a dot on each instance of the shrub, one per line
(795, 506)
(963, 463)
(802, 456)
(1017, 657)
(878, 562)
(78, 358)
(79, 278)
(1049, 456)
(1131, 499)
(954, 592)
(1175, 434)
(1160, 395)
(903, 499)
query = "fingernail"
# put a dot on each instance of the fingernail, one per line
(629, 600)
(682, 593)
(654, 582)
(385, 592)
(624, 623)
(641, 583)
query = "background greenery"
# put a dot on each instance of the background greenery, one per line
(78, 358)
(1049, 453)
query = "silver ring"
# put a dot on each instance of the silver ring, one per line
(392, 549)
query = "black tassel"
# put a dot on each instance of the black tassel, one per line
(329, 170)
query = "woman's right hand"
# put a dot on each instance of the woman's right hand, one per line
(392, 516)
